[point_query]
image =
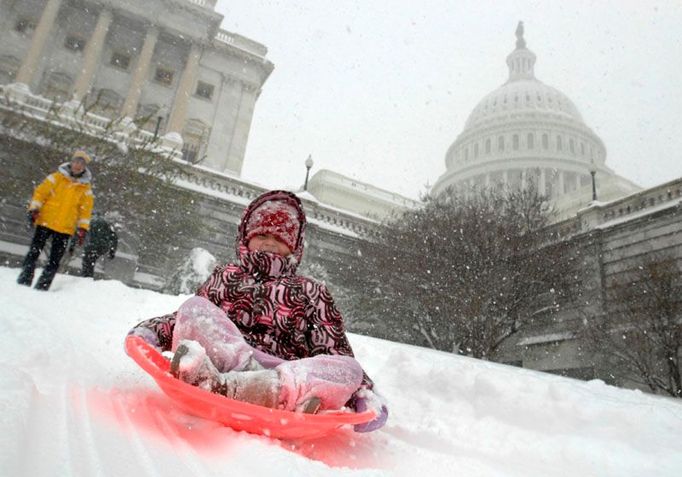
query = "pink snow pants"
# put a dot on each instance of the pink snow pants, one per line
(331, 378)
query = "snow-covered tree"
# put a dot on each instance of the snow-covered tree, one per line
(191, 272)
(465, 272)
(639, 337)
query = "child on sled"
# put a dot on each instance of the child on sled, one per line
(258, 332)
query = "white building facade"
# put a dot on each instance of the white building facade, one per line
(357, 197)
(164, 65)
(526, 131)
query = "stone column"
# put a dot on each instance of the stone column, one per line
(40, 35)
(91, 55)
(248, 93)
(561, 183)
(543, 182)
(140, 74)
(187, 80)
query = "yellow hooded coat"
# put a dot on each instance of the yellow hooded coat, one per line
(64, 202)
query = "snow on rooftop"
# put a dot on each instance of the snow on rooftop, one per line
(639, 214)
(548, 338)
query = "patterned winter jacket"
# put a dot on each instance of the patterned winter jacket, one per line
(277, 311)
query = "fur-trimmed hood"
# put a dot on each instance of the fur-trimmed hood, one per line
(65, 170)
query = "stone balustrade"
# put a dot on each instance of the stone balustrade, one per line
(238, 41)
(17, 98)
(647, 200)
(204, 3)
(602, 215)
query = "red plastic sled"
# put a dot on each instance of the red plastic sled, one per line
(238, 415)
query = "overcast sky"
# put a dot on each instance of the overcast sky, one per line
(378, 90)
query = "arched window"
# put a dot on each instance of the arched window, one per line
(194, 139)
(545, 141)
(475, 150)
(487, 146)
(58, 86)
(530, 141)
(515, 142)
(500, 143)
(106, 103)
(559, 144)
(466, 154)
(9, 65)
(571, 146)
(582, 148)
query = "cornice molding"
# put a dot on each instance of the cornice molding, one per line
(245, 85)
(263, 64)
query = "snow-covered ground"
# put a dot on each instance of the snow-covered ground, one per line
(73, 404)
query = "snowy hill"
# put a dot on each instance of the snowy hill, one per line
(73, 404)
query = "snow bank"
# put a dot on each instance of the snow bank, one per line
(73, 404)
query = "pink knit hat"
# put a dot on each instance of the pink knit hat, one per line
(276, 218)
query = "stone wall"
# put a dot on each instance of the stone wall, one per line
(331, 234)
(611, 240)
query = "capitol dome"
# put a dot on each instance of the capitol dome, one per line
(525, 131)
(523, 96)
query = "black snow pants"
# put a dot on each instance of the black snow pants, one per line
(40, 237)
(90, 257)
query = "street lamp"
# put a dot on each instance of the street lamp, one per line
(308, 165)
(593, 172)
(159, 117)
(158, 124)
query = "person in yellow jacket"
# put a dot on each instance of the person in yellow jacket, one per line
(61, 206)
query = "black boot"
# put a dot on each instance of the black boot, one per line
(44, 281)
(25, 277)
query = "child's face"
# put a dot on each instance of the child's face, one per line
(77, 165)
(268, 243)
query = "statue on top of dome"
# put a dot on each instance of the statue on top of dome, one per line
(520, 42)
